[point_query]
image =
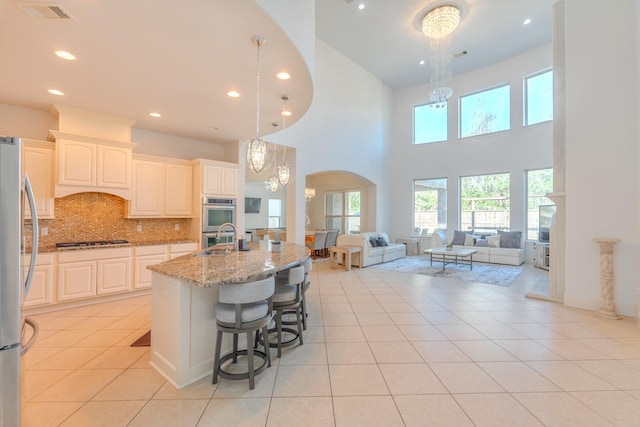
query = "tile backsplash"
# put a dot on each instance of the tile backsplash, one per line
(100, 216)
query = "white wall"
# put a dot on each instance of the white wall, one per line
(513, 151)
(602, 149)
(261, 219)
(26, 122)
(346, 128)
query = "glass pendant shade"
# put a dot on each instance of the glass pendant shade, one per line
(272, 184)
(257, 154)
(284, 173)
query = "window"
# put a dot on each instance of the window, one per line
(275, 213)
(538, 94)
(429, 124)
(539, 183)
(484, 203)
(485, 112)
(342, 211)
(429, 205)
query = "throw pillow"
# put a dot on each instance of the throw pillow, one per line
(494, 241)
(510, 239)
(469, 240)
(374, 242)
(458, 237)
(382, 242)
(482, 243)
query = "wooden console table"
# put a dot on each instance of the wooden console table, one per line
(345, 253)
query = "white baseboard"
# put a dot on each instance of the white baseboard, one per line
(594, 305)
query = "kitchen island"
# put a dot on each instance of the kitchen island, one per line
(184, 295)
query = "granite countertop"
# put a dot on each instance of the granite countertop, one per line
(236, 267)
(52, 248)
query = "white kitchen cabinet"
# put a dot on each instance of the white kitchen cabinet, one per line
(114, 275)
(42, 284)
(161, 188)
(145, 256)
(219, 180)
(179, 249)
(147, 197)
(178, 190)
(92, 164)
(37, 162)
(87, 273)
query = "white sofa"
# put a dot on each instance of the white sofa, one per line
(370, 255)
(509, 256)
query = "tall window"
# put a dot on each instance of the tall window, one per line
(429, 205)
(342, 211)
(275, 213)
(539, 183)
(538, 96)
(429, 124)
(485, 112)
(484, 203)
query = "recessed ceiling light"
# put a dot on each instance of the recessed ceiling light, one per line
(154, 114)
(421, 62)
(233, 94)
(361, 6)
(56, 92)
(65, 55)
(286, 113)
(527, 21)
(283, 75)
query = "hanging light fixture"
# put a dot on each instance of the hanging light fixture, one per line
(258, 149)
(284, 169)
(438, 25)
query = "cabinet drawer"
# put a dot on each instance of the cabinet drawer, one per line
(93, 254)
(150, 250)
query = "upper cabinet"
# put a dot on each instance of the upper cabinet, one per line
(219, 179)
(161, 187)
(92, 164)
(37, 162)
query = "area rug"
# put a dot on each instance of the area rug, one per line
(143, 341)
(493, 274)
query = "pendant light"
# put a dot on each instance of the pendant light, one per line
(258, 149)
(284, 170)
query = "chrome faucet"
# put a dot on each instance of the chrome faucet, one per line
(235, 235)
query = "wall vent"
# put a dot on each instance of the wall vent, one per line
(44, 10)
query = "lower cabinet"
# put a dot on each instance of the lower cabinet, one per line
(145, 256)
(180, 249)
(84, 274)
(41, 290)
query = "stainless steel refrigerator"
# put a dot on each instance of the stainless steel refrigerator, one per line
(15, 276)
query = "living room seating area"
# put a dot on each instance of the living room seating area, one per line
(375, 248)
(505, 247)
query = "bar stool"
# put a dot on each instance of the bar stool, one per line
(307, 265)
(287, 298)
(244, 308)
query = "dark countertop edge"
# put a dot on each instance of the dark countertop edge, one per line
(49, 249)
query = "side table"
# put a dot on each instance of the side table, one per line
(412, 245)
(345, 255)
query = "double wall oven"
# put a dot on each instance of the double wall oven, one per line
(215, 212)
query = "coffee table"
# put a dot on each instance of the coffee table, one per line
(448, 255)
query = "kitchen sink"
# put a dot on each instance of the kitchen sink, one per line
(213, 252)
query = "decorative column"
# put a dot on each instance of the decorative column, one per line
(607, 309)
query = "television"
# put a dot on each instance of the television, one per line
(545, 215)
(252, 204)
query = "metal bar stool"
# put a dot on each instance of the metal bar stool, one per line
(307, 265)
(244, 308)
(287, 298)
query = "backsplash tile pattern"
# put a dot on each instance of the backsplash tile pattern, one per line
(100, 216)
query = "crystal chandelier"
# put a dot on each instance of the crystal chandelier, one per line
(284, 170)
(438, 26)
(258, 149)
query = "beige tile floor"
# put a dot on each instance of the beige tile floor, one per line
(382, 348)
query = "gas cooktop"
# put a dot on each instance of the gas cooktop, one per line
(95, 243)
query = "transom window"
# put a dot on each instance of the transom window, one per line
(342, 211)
(538, 93)
(484, 203)
(485, 112)
(430, 205)
(429, 123)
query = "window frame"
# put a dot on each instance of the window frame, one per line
(507, 223)
(446, 190)
(489, 89)
(527, 197)
(415, 127)
(343, 216)
(525, 97)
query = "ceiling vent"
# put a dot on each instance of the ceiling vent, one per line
(44, 10)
